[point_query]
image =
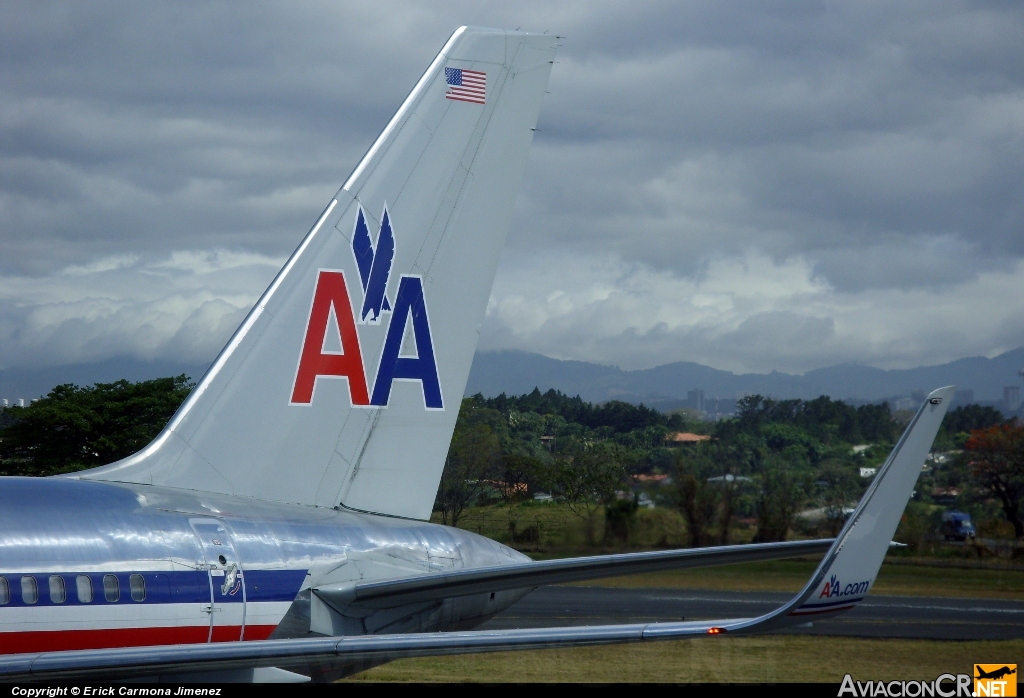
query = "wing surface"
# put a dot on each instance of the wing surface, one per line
(842, 580)
(397, 592)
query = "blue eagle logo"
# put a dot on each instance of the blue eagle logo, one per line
(374, 266)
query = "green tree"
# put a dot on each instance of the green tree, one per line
(473, 455)
(73, 428)
(619, 417)
(968, 418)
(736, 459)
(697, 497)
(823, 418)
(620, 517)
(782, 437)
(588, 475)
(839, 490)
(876, 424)
(782, 491)
(515, 474)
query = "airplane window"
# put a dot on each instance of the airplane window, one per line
(29, 590)
(57, 592)
(111, 590)
(138, 587)
(5, 592)
(84, 584)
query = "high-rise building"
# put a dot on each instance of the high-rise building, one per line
(1011, 397)
(695, 399)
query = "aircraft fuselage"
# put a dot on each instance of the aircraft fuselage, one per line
(91, 564)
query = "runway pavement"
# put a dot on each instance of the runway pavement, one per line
(935, 618)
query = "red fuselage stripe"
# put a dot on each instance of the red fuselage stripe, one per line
(60, 640)
(823, 610)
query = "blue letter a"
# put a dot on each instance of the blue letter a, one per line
(394, 367)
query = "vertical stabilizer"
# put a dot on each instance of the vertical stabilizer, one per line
(343, 384)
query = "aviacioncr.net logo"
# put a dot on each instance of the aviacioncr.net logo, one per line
(945, 686)
(995, 680)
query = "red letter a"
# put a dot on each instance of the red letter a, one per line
(331, 290)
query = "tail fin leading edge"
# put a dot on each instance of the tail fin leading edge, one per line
(343, 384)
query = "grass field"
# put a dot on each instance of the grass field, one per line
(560, 534)
(554, 526)
(778, 659)
(791, 575)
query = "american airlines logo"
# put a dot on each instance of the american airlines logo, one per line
(331, 299)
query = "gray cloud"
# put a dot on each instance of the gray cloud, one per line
(862, 162)
(183, 306)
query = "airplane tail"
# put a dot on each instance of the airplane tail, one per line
(343, 384)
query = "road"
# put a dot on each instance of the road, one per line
(936, 618)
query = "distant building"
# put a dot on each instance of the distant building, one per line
(685, 438)
(719, 408)
(695, 399)
(868, 472)
(1011, 397)
(729, 477)
(657, 479)
(963, 397)
(904, 403)
(517, 488)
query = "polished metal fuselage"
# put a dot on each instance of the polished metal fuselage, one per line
(67, 527)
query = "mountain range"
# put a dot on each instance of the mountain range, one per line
(29, 383)
(516, 372)
(665, 387)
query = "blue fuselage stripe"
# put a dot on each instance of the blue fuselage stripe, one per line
(190, 586)
(833, 603)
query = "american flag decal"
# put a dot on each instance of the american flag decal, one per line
(466, 85)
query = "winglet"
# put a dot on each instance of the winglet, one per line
(848, 570)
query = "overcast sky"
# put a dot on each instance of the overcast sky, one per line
(752, 186)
